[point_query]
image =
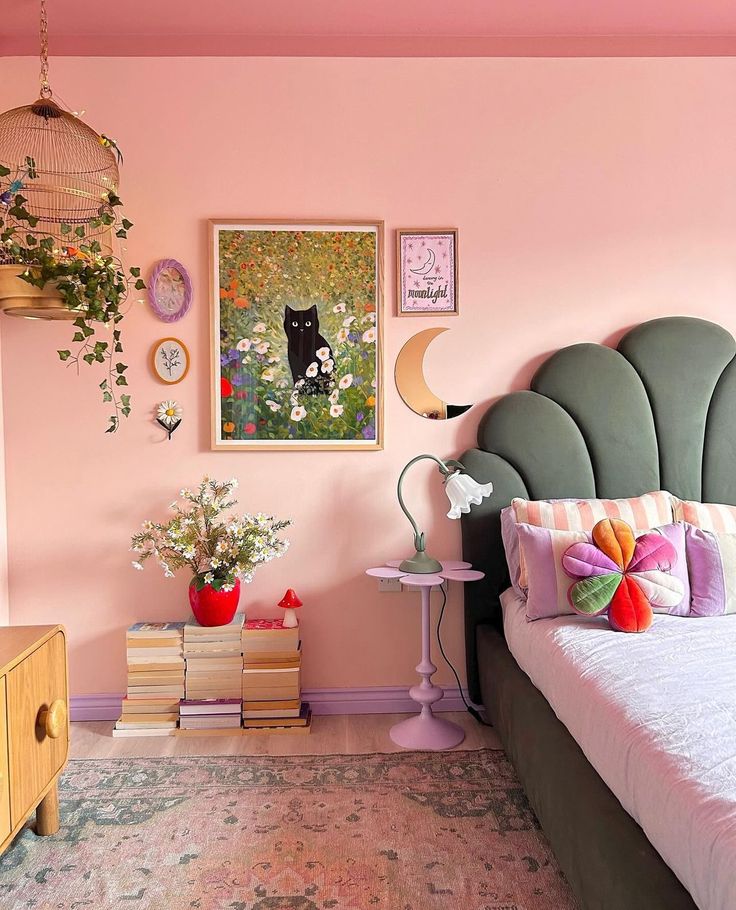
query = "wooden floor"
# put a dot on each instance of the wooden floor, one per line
(331, 735)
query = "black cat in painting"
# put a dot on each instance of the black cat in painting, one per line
(309, 352)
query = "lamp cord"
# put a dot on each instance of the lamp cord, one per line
(471, 710)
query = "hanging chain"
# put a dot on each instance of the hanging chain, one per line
(44, 36)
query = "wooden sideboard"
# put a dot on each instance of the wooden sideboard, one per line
(34, 727)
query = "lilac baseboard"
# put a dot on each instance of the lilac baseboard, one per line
(95, 707)
(371, 700)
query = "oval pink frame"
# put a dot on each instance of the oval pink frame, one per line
(188, 294)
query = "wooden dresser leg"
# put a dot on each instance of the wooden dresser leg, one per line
(47, 813)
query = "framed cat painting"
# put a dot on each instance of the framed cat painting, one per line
(296, 335)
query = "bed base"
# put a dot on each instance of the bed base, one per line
(604, 854)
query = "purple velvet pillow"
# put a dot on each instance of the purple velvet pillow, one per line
(549, 584)
(711, 558)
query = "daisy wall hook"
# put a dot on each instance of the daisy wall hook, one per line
(169, 416)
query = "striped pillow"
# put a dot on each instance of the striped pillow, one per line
(642, 513)
(709, 516)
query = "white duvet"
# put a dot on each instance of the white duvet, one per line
(655, 714)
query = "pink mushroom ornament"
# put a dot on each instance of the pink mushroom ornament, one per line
(290, 603)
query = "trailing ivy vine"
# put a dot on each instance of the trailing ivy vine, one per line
(93, 285)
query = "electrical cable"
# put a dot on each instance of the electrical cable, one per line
(474, 712)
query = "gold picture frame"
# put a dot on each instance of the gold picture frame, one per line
(161, 363)
(328, 275)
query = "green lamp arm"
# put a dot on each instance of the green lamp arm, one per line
(445, 468)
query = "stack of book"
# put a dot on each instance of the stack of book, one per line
(214, 662)
(155, 680)
(209, 714)
(271, 684)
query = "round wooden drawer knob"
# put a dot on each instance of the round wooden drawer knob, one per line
(53, 718)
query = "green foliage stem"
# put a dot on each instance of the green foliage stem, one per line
(93, 286)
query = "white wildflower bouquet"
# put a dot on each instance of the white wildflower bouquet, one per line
(218, 548)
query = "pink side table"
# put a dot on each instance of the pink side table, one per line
(424, 730)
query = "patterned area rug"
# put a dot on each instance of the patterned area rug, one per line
(413, 831)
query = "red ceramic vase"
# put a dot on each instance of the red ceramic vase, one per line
(214, 608)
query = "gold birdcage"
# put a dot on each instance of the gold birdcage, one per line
(74, 170)
(65, 171)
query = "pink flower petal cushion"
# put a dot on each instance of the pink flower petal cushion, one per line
(622, 575)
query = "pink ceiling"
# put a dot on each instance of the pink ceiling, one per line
(381, 27)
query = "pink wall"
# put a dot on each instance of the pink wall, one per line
(589, 194)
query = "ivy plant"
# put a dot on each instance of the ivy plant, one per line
(93, 284)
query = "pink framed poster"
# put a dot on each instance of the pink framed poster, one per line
(426, 272)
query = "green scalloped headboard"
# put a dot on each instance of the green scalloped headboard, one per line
(659, 412)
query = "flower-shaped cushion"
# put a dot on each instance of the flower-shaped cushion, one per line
(622, 574)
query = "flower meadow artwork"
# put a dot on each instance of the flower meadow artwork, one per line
(296, 335)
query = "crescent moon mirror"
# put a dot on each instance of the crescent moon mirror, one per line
(412, 386)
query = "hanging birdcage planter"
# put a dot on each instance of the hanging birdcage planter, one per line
(64, 172)
(58, 227)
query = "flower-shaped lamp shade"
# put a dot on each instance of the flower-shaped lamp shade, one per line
(464, 492)
(290, 602)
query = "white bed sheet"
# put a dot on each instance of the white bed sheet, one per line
(655, 714)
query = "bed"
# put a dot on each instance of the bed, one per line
(659, 412)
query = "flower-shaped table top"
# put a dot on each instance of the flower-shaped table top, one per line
(452, 570)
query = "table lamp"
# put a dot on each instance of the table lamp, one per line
(425, 730)
(462, 491)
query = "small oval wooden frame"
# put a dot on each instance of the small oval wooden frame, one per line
(162, 314)
(154, 366)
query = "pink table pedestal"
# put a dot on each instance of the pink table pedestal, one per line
(425, 730)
